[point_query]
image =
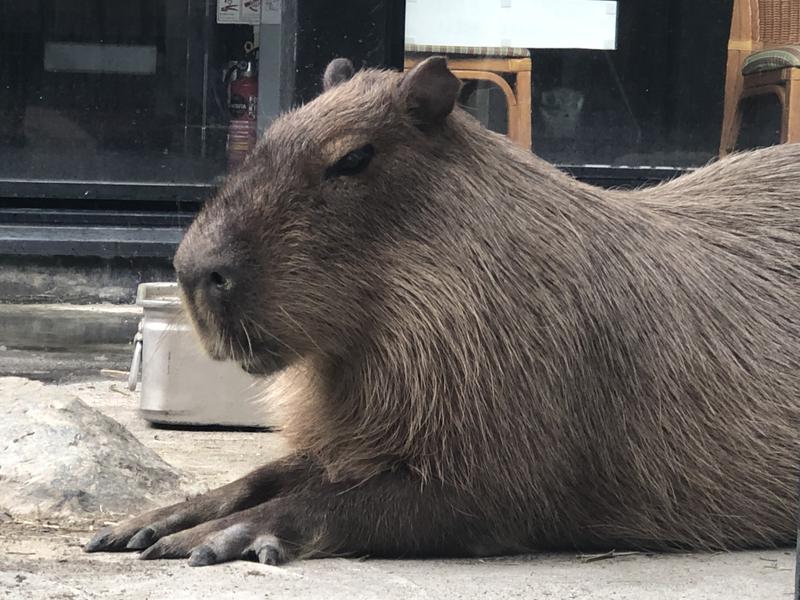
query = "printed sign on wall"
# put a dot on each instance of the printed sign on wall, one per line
(247, 12)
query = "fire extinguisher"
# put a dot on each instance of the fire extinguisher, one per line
(242, 105)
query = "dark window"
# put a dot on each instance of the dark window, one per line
(130, 113)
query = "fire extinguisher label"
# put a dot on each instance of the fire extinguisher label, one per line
(240, 106)
(237, 106)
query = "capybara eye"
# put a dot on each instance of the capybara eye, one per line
(351, 163)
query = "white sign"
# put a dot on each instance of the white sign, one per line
(242, 12)
(513, 23)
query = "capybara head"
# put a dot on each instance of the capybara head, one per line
(274, 265)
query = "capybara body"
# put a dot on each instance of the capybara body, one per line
(486, 355)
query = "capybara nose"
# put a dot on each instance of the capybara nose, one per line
(214, 284)
(218, 282)
(210, 282)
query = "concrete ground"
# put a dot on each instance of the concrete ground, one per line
(45, 560)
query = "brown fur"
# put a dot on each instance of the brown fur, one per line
(567, 366)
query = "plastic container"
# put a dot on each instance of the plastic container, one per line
(181, 384)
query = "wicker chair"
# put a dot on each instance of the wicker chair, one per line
(490, 64)
(763, 58)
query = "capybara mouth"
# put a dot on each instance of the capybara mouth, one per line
(264, 358)
(255, 355)
(263, 365)
(256, 351)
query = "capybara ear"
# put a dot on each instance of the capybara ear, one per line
(430, 90)
(337, 71)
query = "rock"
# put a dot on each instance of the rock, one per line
(61, 458)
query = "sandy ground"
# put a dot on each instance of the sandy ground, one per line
(45, 560)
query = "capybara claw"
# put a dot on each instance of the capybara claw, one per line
(99, 542)
(144, 538)
(202, 556)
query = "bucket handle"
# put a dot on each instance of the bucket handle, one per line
(136, 362)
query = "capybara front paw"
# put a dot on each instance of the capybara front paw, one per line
(144, 530)
(221, 541)
(266, 549)
(128, 535)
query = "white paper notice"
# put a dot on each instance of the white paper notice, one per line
(516, 23)
(242, 12)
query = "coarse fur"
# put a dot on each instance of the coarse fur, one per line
(569, 367)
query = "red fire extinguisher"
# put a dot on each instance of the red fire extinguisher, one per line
(242, 105)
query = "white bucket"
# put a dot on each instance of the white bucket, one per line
(181, 384)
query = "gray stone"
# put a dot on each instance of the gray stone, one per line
(61, 458)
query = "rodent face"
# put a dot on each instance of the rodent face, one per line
(278, 264)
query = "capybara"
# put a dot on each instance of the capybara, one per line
(485, 355)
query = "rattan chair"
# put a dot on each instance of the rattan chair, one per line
(763, 58)
(490, 64)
